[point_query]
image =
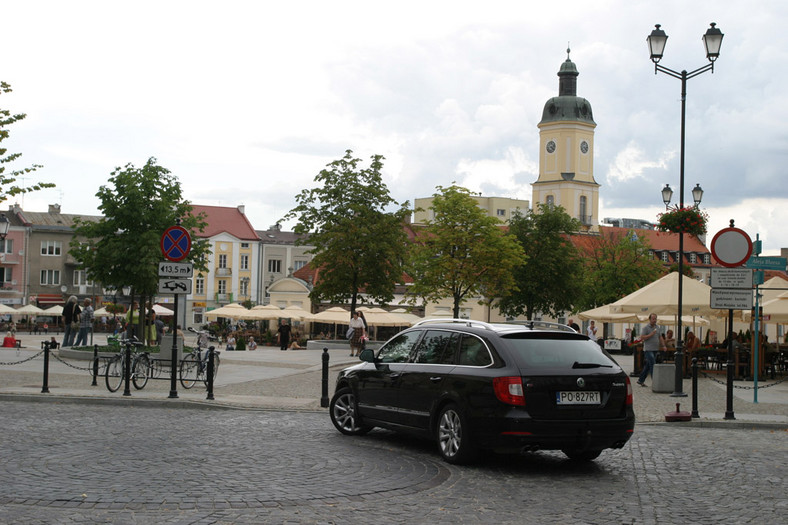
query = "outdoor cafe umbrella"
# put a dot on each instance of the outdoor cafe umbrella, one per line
(54, 311)
(296, 313)
(5, 309)
(100, 312)
(381, 317)
(264, 312)
(413, 318)
(661, 297)
(774, 311)
(29, 309)
(160, 310)
(229, 311)
(334, 315)
(604, 315)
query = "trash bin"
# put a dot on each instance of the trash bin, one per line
(165, 350)
(663, 378)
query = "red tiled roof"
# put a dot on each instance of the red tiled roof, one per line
(223, 219)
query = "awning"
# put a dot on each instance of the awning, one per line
(50, 298)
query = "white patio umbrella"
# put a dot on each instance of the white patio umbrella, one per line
(775, 309)
(229, 311)
(604, 315)
(413, 318)
(159, 310)
(5, 309)
(381, 317)
(297, 313)
(335, 315)
(56, 310)
(264, 312)
(29, 309)
(100, 312)
(661, 297)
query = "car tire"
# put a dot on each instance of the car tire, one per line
(344, 413)
(581, 455)
(453, 435)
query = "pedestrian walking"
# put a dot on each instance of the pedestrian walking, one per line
(357, 324)
(71, 320)
(652, 340)
(85, 323)
(283, 335)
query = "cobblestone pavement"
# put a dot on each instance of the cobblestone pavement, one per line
(64, 463)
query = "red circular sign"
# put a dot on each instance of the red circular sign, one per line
(731, 247)
(175, 243)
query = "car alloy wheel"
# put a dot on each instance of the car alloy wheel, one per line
(344, 415)
(453, 442)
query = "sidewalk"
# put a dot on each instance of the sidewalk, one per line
(270, 379)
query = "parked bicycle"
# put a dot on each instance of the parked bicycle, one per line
(144, 367)
(115, 370)
(194, 366)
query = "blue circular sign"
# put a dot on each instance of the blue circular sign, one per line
(175, 243)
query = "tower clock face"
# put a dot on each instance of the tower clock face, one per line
(584, 146)
(550, 147)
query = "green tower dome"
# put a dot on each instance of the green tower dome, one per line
(567, 105)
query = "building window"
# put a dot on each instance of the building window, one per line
(222, 261)
(584, 218)
(651, 253)
(81, 278)
(665, 256)
(197, 316)
(50, 276)
(244, 245)
(275, 265)
(244, 287)
(221, 286)
(5, 275)
(693, 257)
(550, 200)
(51, 247)
(706, 258)
(297, 265)
(7, 246)
(501, 213)
(199, 285)
(244, 262)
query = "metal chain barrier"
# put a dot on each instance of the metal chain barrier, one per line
(23, 360)
(87, 368)
(707, 376)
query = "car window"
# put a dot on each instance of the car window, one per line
(398, 349)
(473, 352)
(437, 347)
(549, 351)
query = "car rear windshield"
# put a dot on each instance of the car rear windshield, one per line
(545, 350)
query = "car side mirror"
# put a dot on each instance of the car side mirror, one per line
(367, 355)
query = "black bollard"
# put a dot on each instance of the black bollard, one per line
(95, 365)
(324, 398)
(209, 357)
(127, 371)
(45, 387)
(695, 387)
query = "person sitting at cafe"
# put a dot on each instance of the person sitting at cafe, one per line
(670, 340)
(9, 341)
(692, 344)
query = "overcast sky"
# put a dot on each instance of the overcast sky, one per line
(245, 102)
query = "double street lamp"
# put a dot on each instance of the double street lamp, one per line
(656, 43)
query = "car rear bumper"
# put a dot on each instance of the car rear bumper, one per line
(520, 433)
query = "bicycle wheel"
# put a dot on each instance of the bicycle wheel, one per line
(113, 374)
(188, 371)
(139, 371)
(215, 368)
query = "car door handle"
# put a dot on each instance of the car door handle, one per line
(436, 379)
(394, 375)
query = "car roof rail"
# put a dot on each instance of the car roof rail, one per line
(466, 322)
(543, 324)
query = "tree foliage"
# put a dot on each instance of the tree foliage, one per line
(123, 248)
(358, 245)
(462, 252)
(616, 265)
(8, 186)
(550, 280)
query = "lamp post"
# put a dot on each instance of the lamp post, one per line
(712, 40)
(4, 225)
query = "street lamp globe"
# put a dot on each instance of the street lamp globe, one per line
(713, 42)
(667, 195)
(4, 225)
(656, 43)
(697, 194)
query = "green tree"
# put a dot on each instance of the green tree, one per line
(358, 245)
(8, 186)
(616, 265)
(123, 248)
(462, 253)
(550, 280)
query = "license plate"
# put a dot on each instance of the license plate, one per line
(577, 398)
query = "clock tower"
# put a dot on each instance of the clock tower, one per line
(566, 154)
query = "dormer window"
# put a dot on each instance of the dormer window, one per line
(666, 256)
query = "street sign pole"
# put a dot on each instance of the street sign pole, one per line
(175, 246)
(174, 354)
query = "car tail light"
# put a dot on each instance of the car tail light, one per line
(509, 390)
(629, 392)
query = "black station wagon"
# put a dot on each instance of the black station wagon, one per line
(470, 385)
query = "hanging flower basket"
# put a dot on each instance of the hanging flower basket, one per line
(683, 220)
